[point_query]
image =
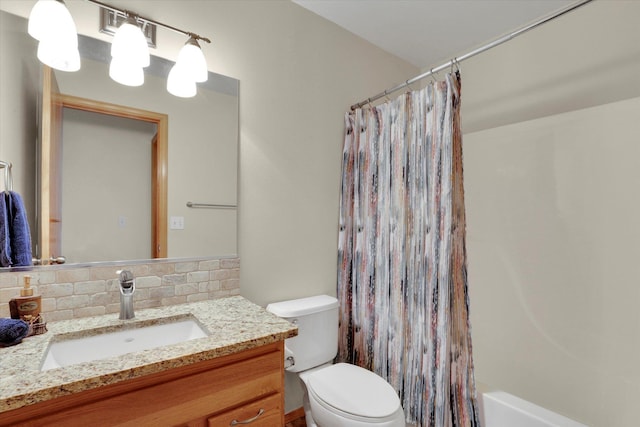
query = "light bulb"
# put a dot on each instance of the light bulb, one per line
(51, 19)
(129, 44)
(193, 61)
(52, 25)
(126, 73)
(180, 83)
(59, 56)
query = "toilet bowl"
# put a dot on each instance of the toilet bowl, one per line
(340, 395)
(344, 395)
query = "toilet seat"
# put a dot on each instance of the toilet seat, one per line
(354, 393)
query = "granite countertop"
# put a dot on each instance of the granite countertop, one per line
(234, 324)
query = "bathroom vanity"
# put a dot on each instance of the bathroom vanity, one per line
(235, 373)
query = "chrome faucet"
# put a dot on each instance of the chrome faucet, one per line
(127, 288)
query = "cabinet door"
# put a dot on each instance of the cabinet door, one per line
(265, 412)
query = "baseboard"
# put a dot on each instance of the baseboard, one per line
(294, 415)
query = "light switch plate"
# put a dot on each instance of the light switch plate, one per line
(176, 223)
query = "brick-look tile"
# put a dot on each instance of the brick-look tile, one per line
(115, 308)
(150, 303)
(48, 305)
(8, 293)
(174, 300)
(221, 274)
(213, 264)
(197, 276)
(209, 286)
(76, 275)
(89, 288)
(230, 284)
(103, 298)
(148, 282)
(161, 269)
(59, 315)
(55, 291)
(140, 294)
(8, 280)
(43, 278)
(73, 301)
(186, 289)
(230, 263)
(89, 311)
(186, 267)
(162, 292)
(104, 273)
(197, 297)
(174, 279)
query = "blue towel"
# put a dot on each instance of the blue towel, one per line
(5, 246)
(19, 234)
(12, 331)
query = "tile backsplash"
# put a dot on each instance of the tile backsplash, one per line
(69, 292)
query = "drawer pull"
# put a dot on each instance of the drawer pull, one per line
(249, 421)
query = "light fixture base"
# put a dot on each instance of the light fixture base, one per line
(110, 21)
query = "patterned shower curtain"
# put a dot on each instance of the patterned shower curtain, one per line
(402, 279)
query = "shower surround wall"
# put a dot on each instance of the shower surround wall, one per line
(69, 292)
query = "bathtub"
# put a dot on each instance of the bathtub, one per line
(501, 409)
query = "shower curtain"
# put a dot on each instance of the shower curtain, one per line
(402, 277)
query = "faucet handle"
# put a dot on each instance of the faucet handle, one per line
(126, 278)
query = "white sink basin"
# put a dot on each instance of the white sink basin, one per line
(101, 346)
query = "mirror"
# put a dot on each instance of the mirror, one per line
(202, 153)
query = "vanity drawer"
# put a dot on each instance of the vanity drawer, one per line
(265, 412)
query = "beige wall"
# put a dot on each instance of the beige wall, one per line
(552, 207)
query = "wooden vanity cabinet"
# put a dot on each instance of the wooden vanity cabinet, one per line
(243, 386)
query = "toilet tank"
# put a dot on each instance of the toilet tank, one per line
(317, 321)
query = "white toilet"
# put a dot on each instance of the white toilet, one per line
(339, 395)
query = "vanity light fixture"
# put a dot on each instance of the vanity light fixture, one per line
(130, 57)
(52, 25)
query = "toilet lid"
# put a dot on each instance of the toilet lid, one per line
(354, 390)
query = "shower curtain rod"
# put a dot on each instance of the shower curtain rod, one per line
(468, 55)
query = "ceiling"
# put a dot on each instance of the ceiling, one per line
(427, 33)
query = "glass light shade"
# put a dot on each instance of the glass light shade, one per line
(51, 19)
(193, 61)
(180, 83)
(129, 44)
(126, 73)
(59, 56)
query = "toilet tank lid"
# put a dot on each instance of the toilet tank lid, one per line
(303, 306)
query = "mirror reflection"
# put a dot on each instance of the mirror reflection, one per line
(106, 165)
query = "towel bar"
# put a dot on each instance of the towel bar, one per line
(8, 179)
(210, 206)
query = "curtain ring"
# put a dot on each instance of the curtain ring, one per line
(456, 63)
(408, 84)
(434, 76)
